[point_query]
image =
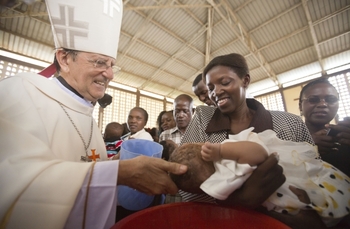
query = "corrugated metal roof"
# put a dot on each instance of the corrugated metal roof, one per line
(165, 44)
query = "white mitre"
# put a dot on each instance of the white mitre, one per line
(86, 25)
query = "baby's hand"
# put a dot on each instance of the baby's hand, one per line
(211, 151)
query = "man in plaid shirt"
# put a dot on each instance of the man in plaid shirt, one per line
(183, 110)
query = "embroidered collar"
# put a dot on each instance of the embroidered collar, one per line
(174, 130)
(64, 83)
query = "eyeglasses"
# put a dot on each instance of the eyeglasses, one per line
(317, 100)
(102, 65)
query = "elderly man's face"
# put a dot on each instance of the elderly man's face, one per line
(182, 113)
(88, 73)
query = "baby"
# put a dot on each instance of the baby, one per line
(111, 136)
(235, 159)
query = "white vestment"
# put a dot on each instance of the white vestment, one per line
(40, 167)
(142, 134)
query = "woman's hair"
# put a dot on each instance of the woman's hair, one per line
(145, 114)
(312, 83)
(234, 61)
(126, 128)
(159, 121)
(198, 170)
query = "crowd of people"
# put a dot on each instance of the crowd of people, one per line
(53, 172)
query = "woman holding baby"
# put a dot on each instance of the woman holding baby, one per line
(227, 79)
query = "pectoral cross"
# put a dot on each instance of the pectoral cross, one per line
(94, 156)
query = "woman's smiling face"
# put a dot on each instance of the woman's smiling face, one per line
(226, 88)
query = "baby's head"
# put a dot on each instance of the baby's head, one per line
(113, 132)
(168, 148)
(198, 170)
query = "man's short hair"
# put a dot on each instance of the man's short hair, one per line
(198, 79)
(184, 97)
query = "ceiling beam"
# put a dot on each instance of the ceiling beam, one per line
(329, 16)
(156, 68)
(247, 2)
(14, 13)
(275, 18)
(166, 6)
(244, 37)
(314, 37)
(140, 31)
(309, 47)
(207, 45)
(158, 50)
(306, 28)
(144, 78)
(179, 51)
(209, 35)
(176, 55)
(169, 32)
(189, 12)
(300, 30)
(170, 58)
(335, 37)
(27, 38)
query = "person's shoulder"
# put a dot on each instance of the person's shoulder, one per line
(284, 115)
(164, 135)
(143, 134)
(173, 130)
(20, 82)
(18, 77)
(167, 132)
(30, 77)
(203, 110)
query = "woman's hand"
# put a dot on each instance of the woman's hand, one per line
(265, 179)
(343, 127)
(324, 143)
